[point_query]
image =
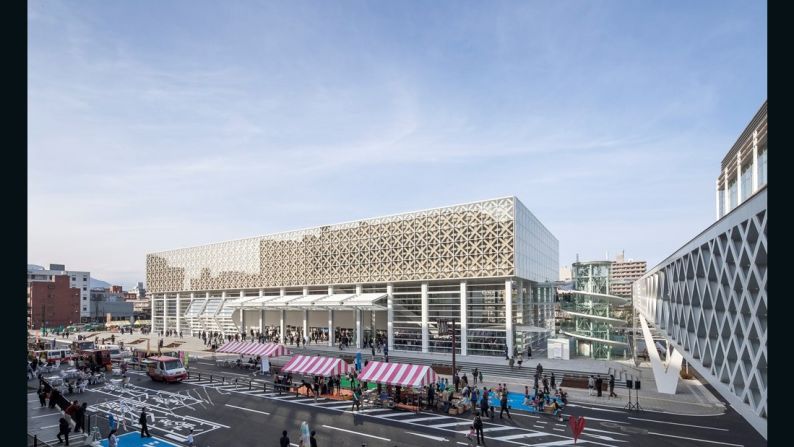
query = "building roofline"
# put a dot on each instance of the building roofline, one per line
(748, 129)
(514, 198)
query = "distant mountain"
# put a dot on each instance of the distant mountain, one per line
(98, 283)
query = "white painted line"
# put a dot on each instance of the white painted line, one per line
(247, 409)
(603, 438)
(605, 431)
(606, 420)
(527, 415)
(539, 426)
(396, 414)
(45, 415)
(435, 438)
(175, 437)
(463, 443)
(558, 429)
(565, 442)
(357, 433)
(676, 423)
(595, 408)
(522, 435)
(450, 424)
(49, 426)
(695, 439)
(492, 429)
(368, 410)
(428, 418)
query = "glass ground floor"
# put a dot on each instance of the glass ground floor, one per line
(491, 317)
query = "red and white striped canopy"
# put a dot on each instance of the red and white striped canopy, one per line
(397, 374)
(316, 366)
(251, 348)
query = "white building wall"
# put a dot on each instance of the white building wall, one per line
(536, 249)
(710, 300)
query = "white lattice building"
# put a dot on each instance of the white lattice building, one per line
(709, 298)
(487, 265)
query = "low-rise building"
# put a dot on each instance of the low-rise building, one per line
(52, 302)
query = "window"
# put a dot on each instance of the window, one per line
(85, 279)
(762, 167)
(85, 288)
(747, 182)
(85, 309)
(74, 279)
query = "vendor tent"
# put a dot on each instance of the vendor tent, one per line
(253, 349)
(402, 374)
(316, 366)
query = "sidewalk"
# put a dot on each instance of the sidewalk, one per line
(692, 397)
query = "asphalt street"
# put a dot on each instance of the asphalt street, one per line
(220, 411)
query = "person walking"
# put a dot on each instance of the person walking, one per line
(189, 440)
(474, 375)
(612, 386)
(71, 414)
(484, 402)
(79, 426)
(305, 435)
(112, 440)
(63, 430)
(590, 385)
(503, 405)
(553, 381)
(599, 382)
(42, 396)
(144, 424)
(313, 440)
(520, 359)
(539, 370)
(477, 423)
(529, 351)
(480, 377)
(284, 440)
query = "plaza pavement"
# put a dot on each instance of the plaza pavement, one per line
(693, 397)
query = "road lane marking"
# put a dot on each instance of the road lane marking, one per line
(357, 433)
(521, 435)
(676, 423)
(45, 415)
(695, 439)
(435, 438)
(248, 409)
(450, 424)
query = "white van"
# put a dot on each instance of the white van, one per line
(116, 353)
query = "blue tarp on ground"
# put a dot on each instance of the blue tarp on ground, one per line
(133, 439)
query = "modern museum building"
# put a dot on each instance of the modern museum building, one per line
(489, 266)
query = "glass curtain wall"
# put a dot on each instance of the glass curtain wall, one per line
(747, 182)
(443, 306)
(486, 313)
(407, 323)
(762, 153)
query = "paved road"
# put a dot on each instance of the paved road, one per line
(219, 412)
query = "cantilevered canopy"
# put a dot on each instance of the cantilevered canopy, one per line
(333, 301)
(366, 301)
(281, 302)
(306, 301)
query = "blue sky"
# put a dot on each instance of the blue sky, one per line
(156, 125)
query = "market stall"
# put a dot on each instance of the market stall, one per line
(316, 366)
(405, 383)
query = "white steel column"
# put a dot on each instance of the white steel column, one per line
(738, 177)
(261, 314)
(330, 320)
(178, 317)
(359, 329)
(754, 167)
(718, 199)
(509, 316)
(201, 319)
(282, 322)
(165, 313)
(390, 316)
(464, 343)
(425, 313)
(242, 313)
(305, 318)
(727, 182)
(215, 320)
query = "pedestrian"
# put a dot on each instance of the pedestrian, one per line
(144, 425)
(529, 352)
(480, 377)
(80, 418)
(189, 440)
(474, 375)
(590, 385)
(54, 395)
(313, 440)
(612, 386)
(478, 428)
(539, 370)
(305, 435)
(112, 440)
(111, 421)
(71, 414)
(484, 402)
(507, 354)
(520, 359)
(284, 440)
(503, 405)
(599, 382)
(553, 381)
(42, 396)
(63, 430)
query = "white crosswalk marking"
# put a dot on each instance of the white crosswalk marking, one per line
(492, 429)
(450, 424)
(429, 418)
(520, 435)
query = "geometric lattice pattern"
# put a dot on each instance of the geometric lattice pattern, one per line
(475, 240)
(710, 298)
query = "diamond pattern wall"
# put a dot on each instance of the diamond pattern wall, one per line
(475, 240)
(710, 298)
